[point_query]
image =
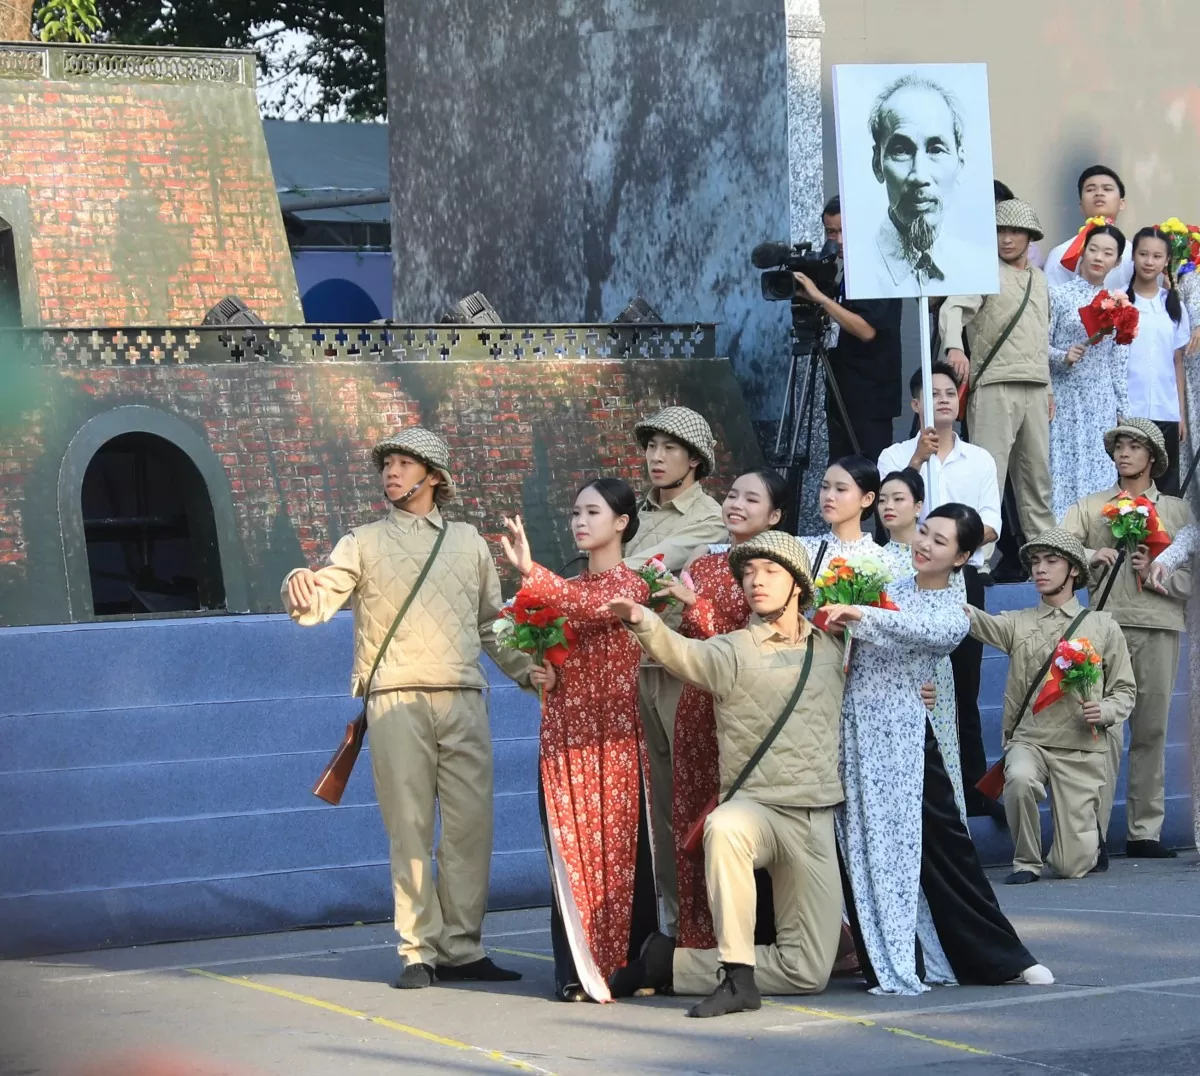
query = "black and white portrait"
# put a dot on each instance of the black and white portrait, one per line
(915, 177)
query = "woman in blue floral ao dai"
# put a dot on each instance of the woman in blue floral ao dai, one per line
(911, 863)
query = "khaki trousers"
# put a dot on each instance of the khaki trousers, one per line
(798, 848)
(1012, 421)
(1154, 654)
(428, 745)
(658, 696)
(1074, 780)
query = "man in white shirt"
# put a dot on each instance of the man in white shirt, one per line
(1101, 194)
(966, 474)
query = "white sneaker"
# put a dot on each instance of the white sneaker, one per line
(1038, 975)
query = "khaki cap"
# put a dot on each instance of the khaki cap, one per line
(423, 445)
(1065, 544)
(1142, 429)
(686, 426)
(784, 549)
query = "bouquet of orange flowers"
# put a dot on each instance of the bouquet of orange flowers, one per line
(1134, 521)
(860, 580)
(1110, 312)
(1075, 669)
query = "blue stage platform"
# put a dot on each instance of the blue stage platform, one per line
(155, 776)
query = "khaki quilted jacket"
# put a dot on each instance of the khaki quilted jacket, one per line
(1130, 607)
(676, 528)
(1028, 637)
(751, 674)
(1025, 355)
(438, 643)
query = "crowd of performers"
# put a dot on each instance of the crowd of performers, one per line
(737, 800)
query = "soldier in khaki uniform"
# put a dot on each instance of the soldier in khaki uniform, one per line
(427, 719)
(1152, 623)
(1008, 400)
(1059, 749)
(675, 517)
(782, 816)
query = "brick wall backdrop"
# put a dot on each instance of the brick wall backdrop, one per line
(141, 202)
(294, 442)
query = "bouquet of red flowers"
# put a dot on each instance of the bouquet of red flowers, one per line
(1134, 521)
(1076, 669)
(536, 629)
(860, 580)
(1110, 312)
(657, 578)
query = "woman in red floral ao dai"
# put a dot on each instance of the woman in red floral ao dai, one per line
(591, 753)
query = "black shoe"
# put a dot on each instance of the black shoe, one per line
(1149, 850)
(571, 992)
(985, 577)
(415, 977)
(737, 993)
(477, 971)
(1102, 858)
(1022, 878)
(654, 969)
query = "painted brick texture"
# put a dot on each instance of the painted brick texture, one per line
(144, 203)
(294, 442)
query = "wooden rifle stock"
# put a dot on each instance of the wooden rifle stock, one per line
(332, 783)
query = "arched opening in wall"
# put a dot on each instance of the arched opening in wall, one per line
(337, 300)
(149, 528)
(10, 291)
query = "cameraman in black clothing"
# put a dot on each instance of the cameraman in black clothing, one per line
(865, 360)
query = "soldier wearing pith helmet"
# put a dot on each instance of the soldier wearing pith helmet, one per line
(1152, 621)
(424, 688)
(1008, 373)
(1063, 750)
(780, 813)
(676, 516)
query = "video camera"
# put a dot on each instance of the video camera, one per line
(781, 260)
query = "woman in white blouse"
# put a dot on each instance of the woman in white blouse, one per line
(1157, 385)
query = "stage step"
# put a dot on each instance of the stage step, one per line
(155, 776)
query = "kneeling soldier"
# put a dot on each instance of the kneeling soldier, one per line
(1063, 746)
(780, 676)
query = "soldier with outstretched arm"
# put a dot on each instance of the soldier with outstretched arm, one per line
(781, 815)
(427, 718)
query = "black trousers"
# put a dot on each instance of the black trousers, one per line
(966, 661)
(645, 902)
(1169, 482)
(874, 434)
(979, 941)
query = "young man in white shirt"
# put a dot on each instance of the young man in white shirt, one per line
(965, 474)
(1101, 194)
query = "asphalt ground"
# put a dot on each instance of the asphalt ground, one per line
(1125, 948)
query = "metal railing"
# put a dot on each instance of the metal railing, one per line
(291, 344)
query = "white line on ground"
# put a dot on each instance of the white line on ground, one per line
(302, 955)
(1114, 911)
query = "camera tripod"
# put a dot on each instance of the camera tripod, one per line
(810, 328)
